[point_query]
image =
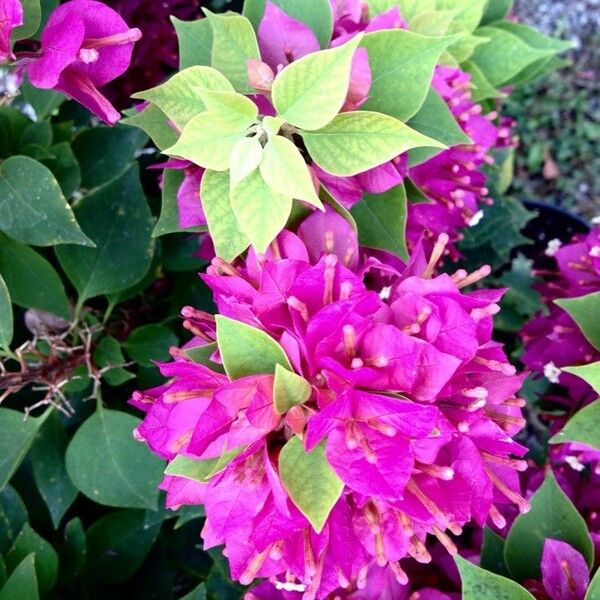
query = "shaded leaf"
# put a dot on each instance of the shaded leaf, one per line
(583, 427)
(22, 583)
(584, 311)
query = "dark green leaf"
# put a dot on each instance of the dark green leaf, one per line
(118, 543)
(31, 279)
(189, 513)
(117, 218)
(381, 221)
(155, 123)
(32, 15)
(46, 559)
(552, 515)
(495, 10)
(150, 343)
(18, 434)
(198, 593)
(195, 42)
(32, 207)
(22, 584)
(37, 133)
(492, 553)
(43, 102)
(65, 168)
(73, 551)
(6, 316)
(13, 515)
(105, 153)
(478, 584)
(48, 462)
(109, 466)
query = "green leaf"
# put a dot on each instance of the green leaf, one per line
(310, 481)
(496, 10)
(590, 373)
(187, 514)
(13, 515)
(64, 167)
(48, 462)
(16, 440)
(492, 553)
(117, 218)
(357, 141)
(516, 55)
(168, 221)
(246, 350)
(402, 66)
(261, 212)
(246, 156)
(408, 8)
(106, 153)
(37, 133)
(432, 23)
(46, 559)
(43, 102)
(234, 42)
(483, 89)
(198, 593)
(584, 311)
(191, 468)
(22, 584)
(227, 237)
(469, 15)
(553, 516)
(180, 97)
(208, 140)
(73, 550)
(478, 584)
(195, 42)
(32, 15)
(316, 14)
(593, 592)
(149, 343)
(6, 317)
(155, 123)
(32, 280)
(202, 355)
(463, 49)
(118, 543)
(435, 120)
(233, 107)
(311, 91)
(289, 390)
(285, 171)
(109, 466)
(32, 207)
(381, 221)
(583, 427)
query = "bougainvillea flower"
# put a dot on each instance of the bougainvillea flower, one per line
(565, 573)
(414, 405)
(85, 45)
(11, 16)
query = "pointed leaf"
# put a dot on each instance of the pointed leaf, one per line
(289, 390)
(18, 434)
(195, 42)
(402, 66)
(316, 14)
(483, 89)
(228, 238)
(191, 468)
(13, 515)
(72, 552)
(32, 207)
(355, 142)
(478, 584)
(309, 92)
(246, 156)
(234, 42)
(381, 221)
(593, 592)
(247, 350)
(590, 373)
(285, 171)
(496, 10)
(117, 218)
(6, 317)
(48, 462)
(32, 280)
(260, 211)
(310, 481)
(180, 98)
(492, 553)
(155, 123)
(584, 311)
(552, 515)
(231, 106)
(583, 427)
(209, 139)
(109, 466)
(22, 583)
(46, 559)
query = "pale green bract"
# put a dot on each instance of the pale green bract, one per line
(285, 171)
(310, 481)
(260, 211)
(231, 106)
(311, 91)
(180, 97)
(246, 156)
(289, 390)
(355, 142)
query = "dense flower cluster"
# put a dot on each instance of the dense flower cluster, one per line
(415, 401)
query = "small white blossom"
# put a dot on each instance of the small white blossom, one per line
(552, 373)
(595, 252)
(290, 587)
(574, 463)
(553, 247)
(384, 294)
(476, 218)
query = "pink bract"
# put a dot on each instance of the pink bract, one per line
(11, 16)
